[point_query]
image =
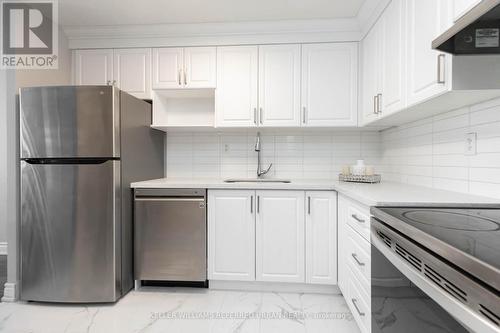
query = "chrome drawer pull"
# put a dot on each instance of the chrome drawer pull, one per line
(354, 302)
(357, 218)
(357, 260)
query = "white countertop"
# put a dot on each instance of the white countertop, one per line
(382, 194)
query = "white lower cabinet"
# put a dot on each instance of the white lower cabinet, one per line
(262, 236)
(355, 259)
(321, 237)
(231, 235)
(280, 236)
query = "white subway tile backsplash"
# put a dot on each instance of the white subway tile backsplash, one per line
(438, 144)
(294, 154)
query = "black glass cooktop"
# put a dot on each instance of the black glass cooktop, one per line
(474, 231)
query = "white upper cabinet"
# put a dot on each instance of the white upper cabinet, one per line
(329, 84)
(280, 236)
(460, 7)
(279, 85)
(429, 71)
(321, 237)
(93, 67)
(236, 93)
(176, 68)
(168, 64)
(384, 64)
(370, 78)
(393, 58)
(231, 235)
(200, 67)
(132, 71)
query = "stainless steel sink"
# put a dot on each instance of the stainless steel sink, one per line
(256, 180)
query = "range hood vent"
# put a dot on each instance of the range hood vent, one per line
(477, 32)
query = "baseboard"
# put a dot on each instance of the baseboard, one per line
(9, 292)
(274, 287)
(3, 248)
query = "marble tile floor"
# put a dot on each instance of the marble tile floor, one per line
(186, 310)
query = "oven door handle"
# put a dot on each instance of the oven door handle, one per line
(355, 303)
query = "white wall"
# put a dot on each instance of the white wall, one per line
(294, 154)
(3, 155)
(430, 152)
(60, 76)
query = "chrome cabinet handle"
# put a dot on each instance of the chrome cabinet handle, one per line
(255, 116)
(258, 204)
(440, 61)
(309, 205)
(355, 303)
(357, 218)
(304, 115)
(260, 116)
(251, 204)
(354, 255)
(375, 104)
(179, 77)
(379, 98)
(185, 77)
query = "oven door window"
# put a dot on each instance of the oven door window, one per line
(398, 305)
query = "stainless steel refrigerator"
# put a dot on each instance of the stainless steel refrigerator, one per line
(80, 147)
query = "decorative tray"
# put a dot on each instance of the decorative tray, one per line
(360, 178)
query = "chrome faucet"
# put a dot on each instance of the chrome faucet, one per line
(260, 172)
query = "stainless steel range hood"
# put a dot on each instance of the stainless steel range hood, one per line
(477, 32)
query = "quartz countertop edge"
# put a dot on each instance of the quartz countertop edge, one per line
(381, 194)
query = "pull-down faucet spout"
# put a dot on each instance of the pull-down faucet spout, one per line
(260, 171)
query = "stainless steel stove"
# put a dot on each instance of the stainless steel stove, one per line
(435, 269)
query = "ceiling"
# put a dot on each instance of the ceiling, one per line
(125, 12)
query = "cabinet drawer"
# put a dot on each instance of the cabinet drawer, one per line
(358, 217)
(359, 304)
(358, 258)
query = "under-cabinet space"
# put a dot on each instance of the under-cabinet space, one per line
(183, 108)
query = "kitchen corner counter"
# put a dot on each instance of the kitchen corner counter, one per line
(382, 194)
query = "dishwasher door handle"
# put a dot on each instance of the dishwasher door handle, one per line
(169, 199)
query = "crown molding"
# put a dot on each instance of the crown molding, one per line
(163, 35)
(369, 14)
(234, 33)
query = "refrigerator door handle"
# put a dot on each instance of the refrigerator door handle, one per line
(89, 160)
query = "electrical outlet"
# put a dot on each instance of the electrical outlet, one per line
(226, 147)
(471, 143)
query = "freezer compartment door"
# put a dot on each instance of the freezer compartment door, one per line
(170, 239)
(69, 121)
(70, 244)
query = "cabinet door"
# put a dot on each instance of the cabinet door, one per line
(167, 68)
(329, 84)
(428, 70)
(132, 71)
(93, 67)
(280, 236)
(236, 93)
(321, 237)
(392, 39)
(231, 235)
(370, 69)
(199, 67)
(279, 85)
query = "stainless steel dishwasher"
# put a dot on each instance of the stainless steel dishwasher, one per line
(170, 235)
